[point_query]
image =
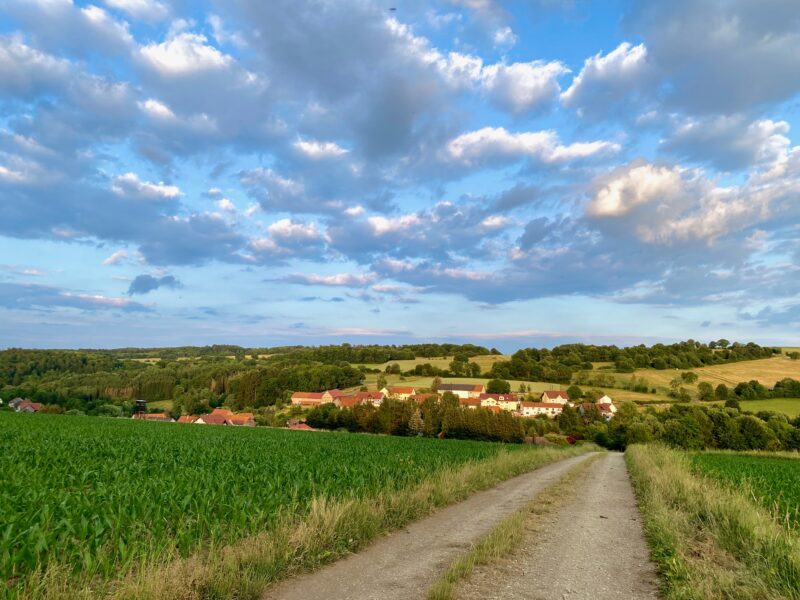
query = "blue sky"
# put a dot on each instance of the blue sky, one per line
(507, 173)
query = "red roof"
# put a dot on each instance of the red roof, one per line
(469, 401)
(420, 398)
(336, 393)
(349, 401)
(213, 419)
(373, 395)
(307, 395)
(300, 427)
(555, 394)
(222, 412)
(400, 389)
(603, 408)
(35, 406)
(241, 418)
(187, 418)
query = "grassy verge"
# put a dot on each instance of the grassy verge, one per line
(330, 530)
(710, 541)
(507, 535)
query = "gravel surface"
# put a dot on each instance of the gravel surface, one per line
(405, 563)
(592, 548)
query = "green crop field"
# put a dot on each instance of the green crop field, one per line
(775, 481)
(103, 495)
(788, 406)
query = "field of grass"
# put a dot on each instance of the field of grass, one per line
(775, 481)
(766, 370)
(425, 382)
(788, 406)
(92, 498)
(709, 539)
(485, 362)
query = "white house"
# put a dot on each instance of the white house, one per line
(462, 390)
(534, 409)
(555, 397)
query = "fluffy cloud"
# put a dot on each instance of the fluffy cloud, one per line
(729, 143)
(144, 284)
(130, 185)
(26, 72)
(722, 55)
(607, 80)
(497, 144)
(316, 150)
(183, 54)
(43, 297)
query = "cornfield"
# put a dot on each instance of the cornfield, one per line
(102, 495)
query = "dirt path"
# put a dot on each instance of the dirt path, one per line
(405, 564)
(593, 548)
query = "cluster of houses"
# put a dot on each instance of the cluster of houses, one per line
(22, 405)
(218, 416)
(551, 403)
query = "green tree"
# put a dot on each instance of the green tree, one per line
(689, 377)
(415, 424)
(498, 386)
(705, 391)
(721, 392)
(574, 392)
(381, 383)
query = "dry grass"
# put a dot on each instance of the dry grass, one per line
(508, 533)
(329, 530)
(485, 362)
(709, 541)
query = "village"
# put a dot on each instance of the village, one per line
(473, 396)
(470, 396)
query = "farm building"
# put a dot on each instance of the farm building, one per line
(605, 409)
(398, 392)
(462, 390)
(307, 398)
(332, 396)
(375, 398)
(555, 397)
(158, 417)
(420, 398)
(26, 406)
(187, 418)
(534, 409)
(242, 420)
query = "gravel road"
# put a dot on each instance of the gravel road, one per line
(593, 548)
(405, 563)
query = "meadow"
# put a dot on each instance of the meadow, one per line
(773, 480)
(99, 496)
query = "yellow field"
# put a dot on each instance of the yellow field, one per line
(485, 362)
(768, 371)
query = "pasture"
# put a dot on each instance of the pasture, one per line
(485, 362)
(97, 496)
(788, 406)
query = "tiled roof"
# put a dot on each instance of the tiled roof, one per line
(307, 395)
(400, 389)
(460, 387)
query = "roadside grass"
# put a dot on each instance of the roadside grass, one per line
(507, 534)
(329, 530)
(709, 540)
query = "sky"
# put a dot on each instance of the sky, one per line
(322, 171)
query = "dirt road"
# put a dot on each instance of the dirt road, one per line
(593, 548)
(405, 564)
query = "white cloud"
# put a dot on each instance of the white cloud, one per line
(495, 222)
(384, 225)
(116, 258)
(157, 110)
(607, 79)
(317, 150)
(147, 10)
(338, 279)
(287, 229)
(226, 205)
(184, 54)
(490, 143)
(632, 187)
(25, 70)
(129, 184)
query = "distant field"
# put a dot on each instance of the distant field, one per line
(767, 371)
(166, 405)
(774, 481)
(425, 382)
(789, 406)
(485, 362)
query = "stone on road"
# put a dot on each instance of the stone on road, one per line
(593, 548)
(405, 563)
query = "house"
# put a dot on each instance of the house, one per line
(493, 409)
(300, 427)
(398, 392)
(242, 420)
(469, 402)
(462, 390)
(333, 396)
(308, 399)
(15, 402)
(606, 400)
(604, 410)
(26, 406)
(534, 409)
(187, 418)
(348, 402)
(503, 401)
(159, 417)
(555, 397)
(375, 397)
(211, 419)
(420, 398)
